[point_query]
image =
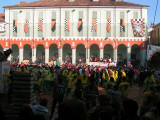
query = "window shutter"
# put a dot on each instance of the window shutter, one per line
(80, 14)
(54, 15)
(108, 14)
(135, 15)
(27, 15)
(94, 14)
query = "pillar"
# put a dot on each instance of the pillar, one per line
(20, 55)
(60, 54)
(33, 55)
(128, 54)
(115, 55)
(87, 55)
(143, 57)
(101, 53)
(46, 56)
(73, 56)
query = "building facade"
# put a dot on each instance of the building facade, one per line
(76, 28)
(155, 35)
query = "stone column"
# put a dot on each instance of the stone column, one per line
(46, 56)
(128, 54)
(143, 57)
(33, 55)
(60, 54)
(87, 55)
(20, 55)
(101, 53)
(73, 56)
(115, 55)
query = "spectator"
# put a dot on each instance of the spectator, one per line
(57, 94)
(41, 110)
(91, 93)
(103, 111)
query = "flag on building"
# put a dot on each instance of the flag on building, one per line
(94, 24)
(108, 25)
(138, 27)
(53, 25)
(80, 25)
(122, 25)
(40, 25)
(67, 22)
(26, 26)
(14, 25)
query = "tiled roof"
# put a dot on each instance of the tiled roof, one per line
(2, 17)
(47, 3)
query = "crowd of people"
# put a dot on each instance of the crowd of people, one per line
(75, 89)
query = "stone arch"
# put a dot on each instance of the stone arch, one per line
(15, 53)
(67, 52)
(135, 54)
(108, 51)
(122, 52)
(154, 61)
(40, 51)
(80, 52)
(94, 51)
(27, 52)
(53, 51)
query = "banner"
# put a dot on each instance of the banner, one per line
(138, 27)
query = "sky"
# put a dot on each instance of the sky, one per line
(151, 9)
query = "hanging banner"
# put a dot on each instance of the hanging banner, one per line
(152, 50)
(138, 27)
(2, 27)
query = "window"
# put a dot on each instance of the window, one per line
(27, 34)
(108, 16)
(67, 23)
(80, 23)
(40, 25)
(53, 24)
(94, 23)
(135, 15)
(122, 24)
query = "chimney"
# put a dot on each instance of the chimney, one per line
(22, 2)
(71, 0)
(118, 0)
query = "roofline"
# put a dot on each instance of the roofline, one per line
(157, 24)
(77, 6)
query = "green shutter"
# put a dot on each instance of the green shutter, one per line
(27, 15)
(108, 14)
(54, 15)
(66, 14)
(94, 14)
(122, 15)
(135, 15)
(80, 14)
(41, 15)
